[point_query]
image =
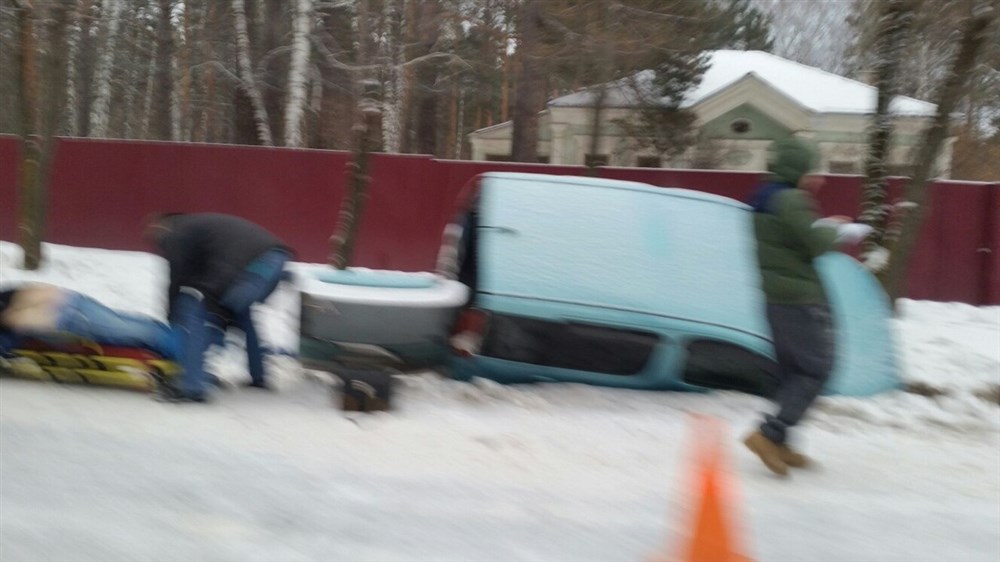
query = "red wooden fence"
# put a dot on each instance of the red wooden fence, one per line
(102, 189)
(10, 161)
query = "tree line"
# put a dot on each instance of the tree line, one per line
(416, 76)
(290, 72)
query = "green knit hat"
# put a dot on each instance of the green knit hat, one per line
(791, 158)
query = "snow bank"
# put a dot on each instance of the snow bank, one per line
(950, 346)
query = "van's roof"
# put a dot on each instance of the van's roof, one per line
(616, 184)
(620, 245)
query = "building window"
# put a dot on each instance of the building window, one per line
(647, 162)
(740, 126)
(840, 167)
(498, 157)
(591, 160)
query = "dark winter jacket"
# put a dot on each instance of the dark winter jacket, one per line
(207, 251)
(787, 241)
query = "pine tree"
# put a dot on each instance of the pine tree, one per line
(740, 25)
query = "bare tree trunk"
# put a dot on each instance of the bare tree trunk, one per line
(85, 67)
(528, 93)
(54, 98)
(149, 83)
(595, 126)
(314, 133)
(506, 63)
(367, 139)
(71, 112)
(344, 239)
(392, 106)
(972, 39)
(272, 66)
(134, 100)
(41, 91)
(421, 123)
(297, 74)
(100, 111)
(896, 18)
(209, 119)
(186, 121)
(31, 237)
(162, 118)
(459, 132)
(408, 96)
(249, 84)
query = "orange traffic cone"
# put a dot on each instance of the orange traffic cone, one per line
(713, 538)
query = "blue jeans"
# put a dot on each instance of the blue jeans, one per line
(189, 320)
(83, 316)
(198, 330)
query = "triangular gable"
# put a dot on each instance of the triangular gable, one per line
(762, 125)
(751, 89)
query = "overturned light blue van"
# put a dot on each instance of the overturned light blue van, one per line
(628, 285)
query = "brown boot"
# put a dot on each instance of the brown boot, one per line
(793, 458)
(768, 451)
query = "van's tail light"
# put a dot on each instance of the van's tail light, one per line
(470, 328)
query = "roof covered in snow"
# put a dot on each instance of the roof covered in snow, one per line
(814, 89)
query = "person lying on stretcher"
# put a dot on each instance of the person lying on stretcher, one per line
(48, 313)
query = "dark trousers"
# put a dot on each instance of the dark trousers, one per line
(804, 344)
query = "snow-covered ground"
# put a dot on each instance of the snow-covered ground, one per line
(479, 471)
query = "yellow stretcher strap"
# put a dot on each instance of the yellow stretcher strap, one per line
(103, 370)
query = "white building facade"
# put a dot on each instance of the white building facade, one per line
(746, 100)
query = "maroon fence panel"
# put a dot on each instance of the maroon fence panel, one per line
(947, 264)
(10, 165)
(989, 253)
(399, 225)
(103, 189)
(840, 195)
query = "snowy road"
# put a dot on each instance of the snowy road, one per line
(460, 472)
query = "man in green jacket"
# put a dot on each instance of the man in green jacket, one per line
(787, 243)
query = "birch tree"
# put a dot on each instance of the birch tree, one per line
(248, 83)
(100, 110)
(297, 75)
